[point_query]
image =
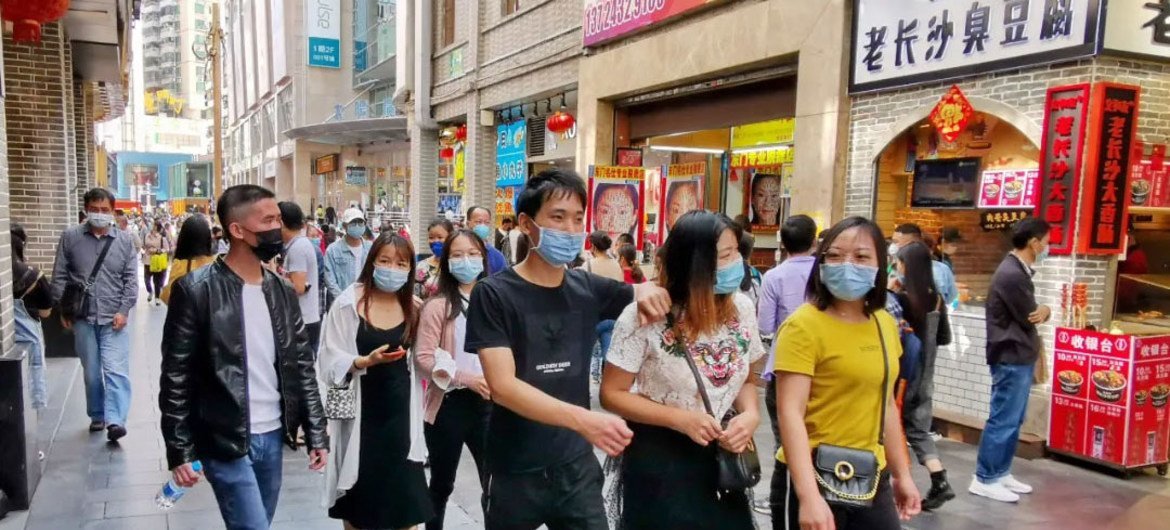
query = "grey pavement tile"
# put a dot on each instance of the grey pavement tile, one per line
(157, 478)
(307, 524)
(201, 520)
(146, 522)
(122, 493)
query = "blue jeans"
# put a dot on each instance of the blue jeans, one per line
(248, 487)
(604, 334)
(1010, 387)
(105, 360)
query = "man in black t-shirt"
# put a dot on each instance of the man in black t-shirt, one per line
(533, 327)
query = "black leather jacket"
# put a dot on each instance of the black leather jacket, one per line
(203, 391)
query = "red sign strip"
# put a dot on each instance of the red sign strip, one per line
(1066, 110)
(1107, 173)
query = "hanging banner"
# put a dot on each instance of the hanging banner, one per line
(764, 190)
(506, 197)
(609, 19)
(615, 201)
(511, 152)
(1066, 110)
(1111, 135)
(682, 191)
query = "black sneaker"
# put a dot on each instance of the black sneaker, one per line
(938, 495)
(97, 426)
(114, 432)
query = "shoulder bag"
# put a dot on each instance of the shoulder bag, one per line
(74, 303)
(849, 477)
(944, 336)
(736, 471)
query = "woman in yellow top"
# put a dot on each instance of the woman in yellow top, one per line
(833, 356)
(192, 250)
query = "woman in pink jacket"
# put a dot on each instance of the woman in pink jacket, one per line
(457, 400)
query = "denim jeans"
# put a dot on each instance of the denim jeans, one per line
(1010, 387)
(604, 334)
(105, 360)
(248, 487)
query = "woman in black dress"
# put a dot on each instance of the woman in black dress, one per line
(364, 344)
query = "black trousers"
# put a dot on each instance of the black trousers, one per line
(563, 497)
(462, 420)
(882, 515)
(314, 332)
(157, 280)
(770, 403)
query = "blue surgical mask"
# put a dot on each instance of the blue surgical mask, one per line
(558, 247)
(355, 230)
(437, 248)
(389, 280)
(728, 279)
(483, 231)
(1043, 255)
(466, 270)
(99, 220)
(848, 281)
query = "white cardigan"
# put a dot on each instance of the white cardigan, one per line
(334, 360)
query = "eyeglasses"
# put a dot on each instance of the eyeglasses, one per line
(833, 257)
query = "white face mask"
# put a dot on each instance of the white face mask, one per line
(893, 249)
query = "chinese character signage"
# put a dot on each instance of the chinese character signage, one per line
(951, 114)
(323, 27)
(1065, 112)
(615, 201)
(682, 191)
(771, 157)
(1140, 28)
(904, 42)
(1107, 169)
(511, 152)
(1109, 397)
(506, 198)
(325, 164)
(766, 133)
(609, 19)
(1001, 220)
(1009, 188)
(356, 176)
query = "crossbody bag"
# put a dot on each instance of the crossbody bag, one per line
(74, 303)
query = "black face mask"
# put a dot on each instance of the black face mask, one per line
(269, 243)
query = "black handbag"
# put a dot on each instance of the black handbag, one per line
(737, 471)
(74, 303)
(944, 336)
(849, 477)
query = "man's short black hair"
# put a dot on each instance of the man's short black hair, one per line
(291, 215)
(798, 234)
(509, 220)
(548, 184)
(1027, 230)
(238, 197)
(909, 229)
(474, 208)
(97, 195)
(119, 212)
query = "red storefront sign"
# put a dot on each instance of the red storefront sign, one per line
(1107, 170)
(1066, 110)
(1009, 188)
(609, 19)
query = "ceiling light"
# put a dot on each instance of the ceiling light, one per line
(675, 149)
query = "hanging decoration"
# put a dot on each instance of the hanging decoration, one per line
(951, 115)
(28, 17)
(447, 153)
(560, 122)
(461, 133)
(447, 137)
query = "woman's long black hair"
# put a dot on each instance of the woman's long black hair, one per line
(875, 300)
(448, 283)
(917, 284)
(194, 239)
(688, 269)
(405, 295)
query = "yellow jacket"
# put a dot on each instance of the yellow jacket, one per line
(181, 267)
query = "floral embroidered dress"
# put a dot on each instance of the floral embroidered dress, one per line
(426, 277)
(656, 355)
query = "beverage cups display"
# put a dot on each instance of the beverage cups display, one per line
(1140, 192)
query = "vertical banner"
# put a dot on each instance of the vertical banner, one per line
(652, 208)
(506, 197)
(1066, 110)
(615, 201)
(682, 191)
(1112, 128)
(511, 152)
(323, 27)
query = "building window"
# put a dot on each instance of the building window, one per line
(448, 23)
(200, 8)
(510, 6)
(201, 87)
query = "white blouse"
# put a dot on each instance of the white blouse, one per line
(655, 355)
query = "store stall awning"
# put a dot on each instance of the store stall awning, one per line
(352, 132)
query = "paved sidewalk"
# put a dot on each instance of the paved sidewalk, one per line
(90, 484)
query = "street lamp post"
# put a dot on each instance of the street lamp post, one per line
(212, 52)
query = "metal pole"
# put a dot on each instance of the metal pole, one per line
(215, 43)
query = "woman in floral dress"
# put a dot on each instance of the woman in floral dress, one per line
(668, 474)
(426, 280)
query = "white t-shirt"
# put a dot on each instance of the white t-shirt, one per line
(723, 358)
(357, 259)
(301, 257)
(260, 352)
(465, 362)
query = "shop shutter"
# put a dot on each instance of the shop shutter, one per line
(536, 136)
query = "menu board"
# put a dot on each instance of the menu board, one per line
(1009, 188)
(1109, 397)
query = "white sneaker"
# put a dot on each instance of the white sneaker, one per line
(995, 492)
(1014, 485)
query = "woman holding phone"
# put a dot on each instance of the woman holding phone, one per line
(458, 400)
(374, 478)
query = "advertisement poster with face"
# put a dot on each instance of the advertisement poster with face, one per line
(615, 201)
(653, 206)
(682, 192)
(764, 193)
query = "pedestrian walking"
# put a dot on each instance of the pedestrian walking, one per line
(601, 264)
(192, 251)
(944, 277)
(345, 256)
(32, 302)
(1013, 345)
(237, 374)
(479, 219)
(427, 273)
(375, 474)
(533, 327)
(458, 401)
(690, 372)
(158, 247)
(628, 260)
(836, 363)
(300, 268)
(219, 242)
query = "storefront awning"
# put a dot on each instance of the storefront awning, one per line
(352, 132)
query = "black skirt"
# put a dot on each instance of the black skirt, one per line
(669, 481)
(391, 491)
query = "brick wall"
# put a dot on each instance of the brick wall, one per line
(5, 247)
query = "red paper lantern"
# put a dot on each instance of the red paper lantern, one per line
(461, 133)
(28, 16)
(447, 153)
(560, 122)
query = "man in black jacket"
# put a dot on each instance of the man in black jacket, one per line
(1013, 345)
(237, 370)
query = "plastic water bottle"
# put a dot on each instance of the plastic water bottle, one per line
(171, 492)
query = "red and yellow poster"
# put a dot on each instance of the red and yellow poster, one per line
(682, 191)
(615, 201)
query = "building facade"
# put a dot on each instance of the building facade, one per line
(172, 109)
